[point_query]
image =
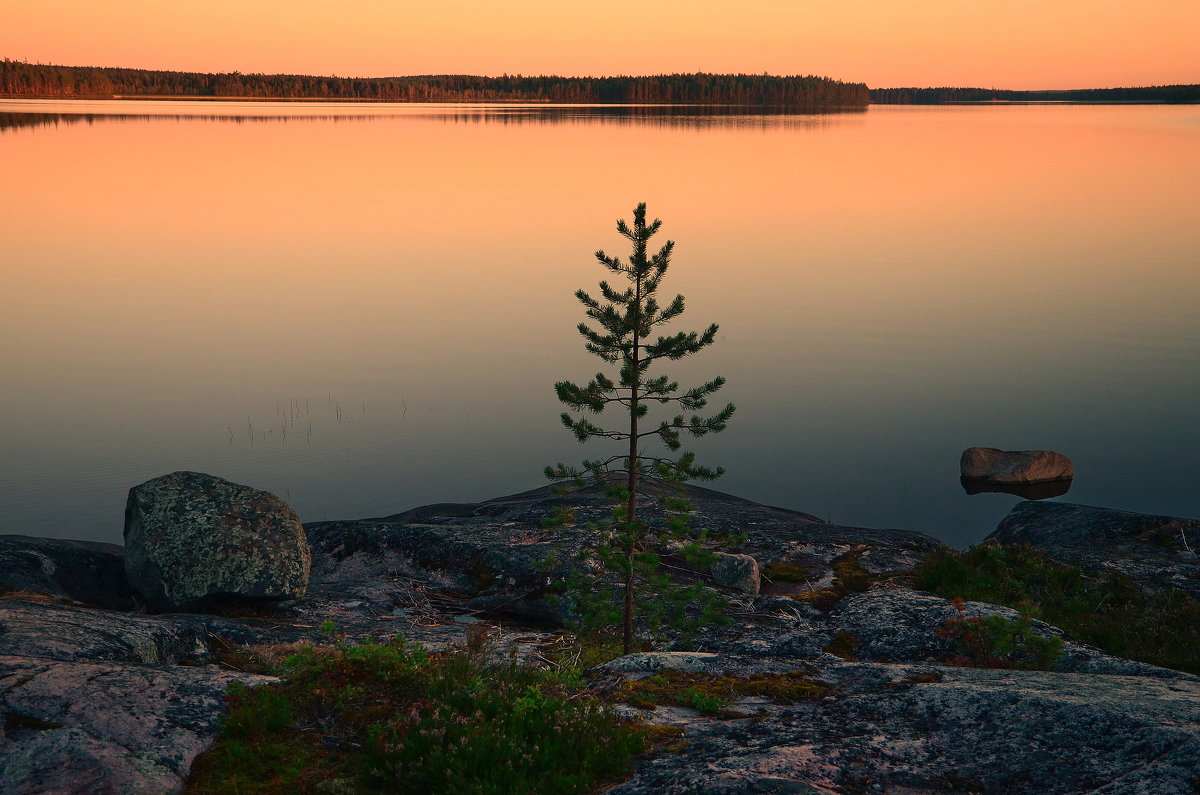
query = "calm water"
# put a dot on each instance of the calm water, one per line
(364, 308)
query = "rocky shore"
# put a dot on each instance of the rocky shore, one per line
(100, 695)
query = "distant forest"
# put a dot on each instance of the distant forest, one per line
(942, 96)
(20, 79)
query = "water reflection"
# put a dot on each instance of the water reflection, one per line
(667, 116)
(1030, 491)
(170, 287)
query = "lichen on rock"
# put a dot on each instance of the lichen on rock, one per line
(193, 539)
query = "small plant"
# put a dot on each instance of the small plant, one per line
(390, 717)
(999, 642)
(705, 703)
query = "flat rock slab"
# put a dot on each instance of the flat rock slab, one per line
(499, 548)
(105, 727)
(57, 632)
(910, 729)
(1147, 548)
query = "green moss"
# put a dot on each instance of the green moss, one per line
(787, 572)
(1112, 613)
(711, 694)
(849, 578)
(843, 645)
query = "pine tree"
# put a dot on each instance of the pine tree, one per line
(627, 321)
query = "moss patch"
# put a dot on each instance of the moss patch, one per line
(843, 645)
(711, 694)
(849, 578)
(787, 572)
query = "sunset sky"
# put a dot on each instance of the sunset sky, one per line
(1033, 44)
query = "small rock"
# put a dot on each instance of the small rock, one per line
(737, 571)
(192, 539)
(466, 619)
(1014, 466)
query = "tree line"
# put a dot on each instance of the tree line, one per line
(21, 79)
(946, 95)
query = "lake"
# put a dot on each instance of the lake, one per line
(363, 308)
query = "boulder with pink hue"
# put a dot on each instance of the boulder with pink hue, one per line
(1014, 466)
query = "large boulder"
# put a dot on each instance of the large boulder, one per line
(1014, 466)
(193, 540)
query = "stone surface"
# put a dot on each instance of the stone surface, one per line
(97, 701)
(739, 572)
(193, 539)
(84, 572)
(918, 729)
(105, 727)
(1149, 549)
(55, 632)
(1014, 466)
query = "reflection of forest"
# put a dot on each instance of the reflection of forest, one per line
(944, 96)
(20, 79)
(715, 116)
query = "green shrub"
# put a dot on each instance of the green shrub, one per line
(999, 642)
(389, 717)
(1112, 613)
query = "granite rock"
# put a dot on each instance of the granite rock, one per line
(1014, 466)
(193, 539)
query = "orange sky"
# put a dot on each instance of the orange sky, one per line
(1002, 44)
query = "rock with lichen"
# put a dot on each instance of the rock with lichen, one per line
(193, 540)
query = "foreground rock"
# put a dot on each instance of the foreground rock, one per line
(105, 727)
(193, 539)
(1153, 550)
(1014, 466)
(831, 678)
(918, 728)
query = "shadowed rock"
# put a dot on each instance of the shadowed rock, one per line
(86, 572)
(56, 632)
(193, 540)
(739, 572)
(1150, 549)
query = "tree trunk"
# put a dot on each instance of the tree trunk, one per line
(631, 506)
